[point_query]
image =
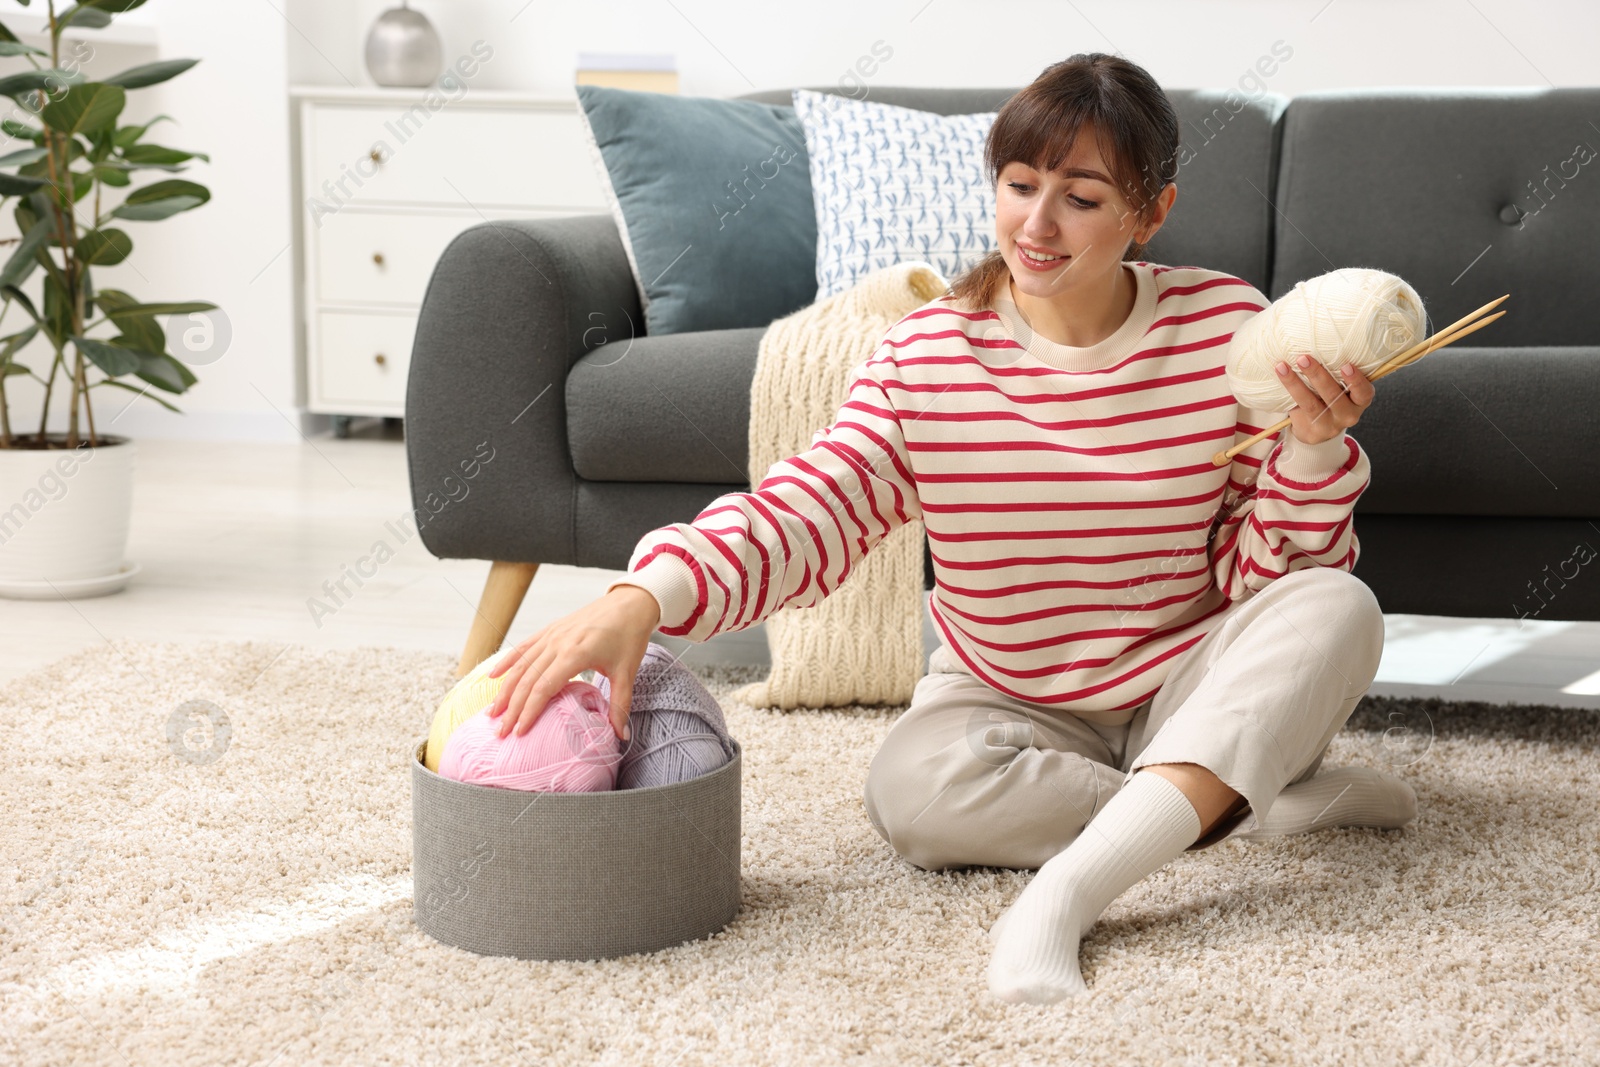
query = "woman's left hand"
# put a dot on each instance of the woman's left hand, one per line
(1324, 408)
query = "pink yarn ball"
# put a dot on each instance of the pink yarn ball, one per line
(571, 747)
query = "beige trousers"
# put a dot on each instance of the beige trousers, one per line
(969, 776)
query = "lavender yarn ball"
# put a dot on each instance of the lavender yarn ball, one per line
(678, 728)
(668, 746)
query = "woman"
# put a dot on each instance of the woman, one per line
(1108, 600)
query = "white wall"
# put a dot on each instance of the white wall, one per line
(725, 47)
(234, 251)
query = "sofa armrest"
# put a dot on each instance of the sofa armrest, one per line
(511, 306)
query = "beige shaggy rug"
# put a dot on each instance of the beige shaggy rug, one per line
(256, 908)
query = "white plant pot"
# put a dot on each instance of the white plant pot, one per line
(64, 519)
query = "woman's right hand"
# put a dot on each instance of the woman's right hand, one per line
(609, 635)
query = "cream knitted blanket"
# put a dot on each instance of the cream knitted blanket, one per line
(862, 644)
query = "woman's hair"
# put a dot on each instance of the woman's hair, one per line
(1137, 133)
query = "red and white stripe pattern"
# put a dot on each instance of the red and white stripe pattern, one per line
(1080, 534)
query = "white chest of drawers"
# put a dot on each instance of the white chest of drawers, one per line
(385, 179)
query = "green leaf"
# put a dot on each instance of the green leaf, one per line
(104, 248)
(16, 341)
(167, 189)
(23, 155)
(86, 108)
(50, 78)
(129, 168)
(114, 359)
(127, 135)
(17, 48)
(19, 185)
(161, 200)
(56, 321)
(110, 301)
(21, 263)
(96, 14)
(85, 15)
(142, 331)
(141, 392)
(151, 73)
(11, 292)
(165, 372)
(21, 130)
(111, 174)
(154, 154)
(27, 213)
(187, 307)
(100, 145)
(49, 196)
(40, 168)
(184, 372)
(158, 210)
(16, 368)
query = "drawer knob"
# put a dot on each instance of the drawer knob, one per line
(376, 156)
(377, 257)
(378, 359)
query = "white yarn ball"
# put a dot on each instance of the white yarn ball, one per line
(1353, 315)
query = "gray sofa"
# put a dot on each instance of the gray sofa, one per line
(1485, 493)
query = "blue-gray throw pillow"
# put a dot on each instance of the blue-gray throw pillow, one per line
(713, 201)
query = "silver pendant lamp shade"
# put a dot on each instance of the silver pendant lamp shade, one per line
(403, 49)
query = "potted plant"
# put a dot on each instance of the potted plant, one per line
(65, 498)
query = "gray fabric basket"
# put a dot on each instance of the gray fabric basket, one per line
(574, 876)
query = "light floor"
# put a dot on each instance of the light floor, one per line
(235, 540)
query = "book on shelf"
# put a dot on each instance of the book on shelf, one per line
(648, 72)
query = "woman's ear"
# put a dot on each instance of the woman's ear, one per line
(1163, 205)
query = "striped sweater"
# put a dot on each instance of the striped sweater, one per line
(1081, 536)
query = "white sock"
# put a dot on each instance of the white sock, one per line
(1338, 796)
(1148, 823)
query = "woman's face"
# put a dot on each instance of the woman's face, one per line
(1075, 213)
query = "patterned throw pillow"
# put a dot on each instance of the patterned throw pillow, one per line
(893, 185)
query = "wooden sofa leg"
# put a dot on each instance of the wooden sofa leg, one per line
(497, 609)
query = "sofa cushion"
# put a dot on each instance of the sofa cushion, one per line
(894, 185)
(664, 409)
(1466, 193)
(713, 202)
(1227, 169)
(1486, 431)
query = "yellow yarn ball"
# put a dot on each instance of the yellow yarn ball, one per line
(466, 698)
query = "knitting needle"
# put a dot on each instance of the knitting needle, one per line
(1443, 337)
(1432, 344)
(1434, 347)
(1449, 335)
